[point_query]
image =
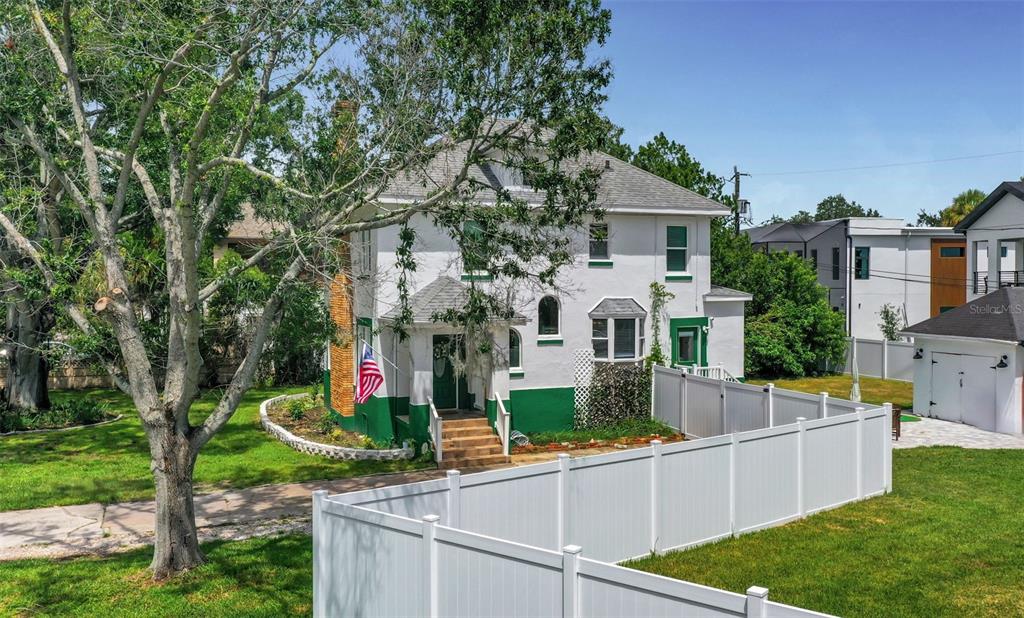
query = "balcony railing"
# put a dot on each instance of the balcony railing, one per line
(1007, 279)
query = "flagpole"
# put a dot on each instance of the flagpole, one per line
(381, 355)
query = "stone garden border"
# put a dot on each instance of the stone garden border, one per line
(326, 450)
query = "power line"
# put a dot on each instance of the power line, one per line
(885, 165)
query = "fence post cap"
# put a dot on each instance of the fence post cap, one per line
(770, 384)
(452, 473)
(757, 591)
(563, 455)
(572, 549)
(655, 442)
(825, 393)
(431, 519)
(320, 493)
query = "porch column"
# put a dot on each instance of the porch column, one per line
(995, 251)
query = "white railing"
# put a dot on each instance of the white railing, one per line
(713, 372)
(443, 541)
(436, 430)
(502, 424)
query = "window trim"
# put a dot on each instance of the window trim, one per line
(684, 248)
(518, 367)
(557, 335)
(639, 339)
(700, 326)
(607, 257)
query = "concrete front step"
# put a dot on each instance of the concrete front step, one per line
(461, 452)
(474, 462)
(467, 442)
(464, 422)
(465, 432)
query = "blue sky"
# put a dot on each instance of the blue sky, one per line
(781, 87)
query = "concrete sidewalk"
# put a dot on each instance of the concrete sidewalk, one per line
(64, 531)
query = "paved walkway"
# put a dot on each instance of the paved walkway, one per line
(97, 529)
(933, 432)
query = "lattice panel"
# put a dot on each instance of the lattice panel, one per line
(583, 375)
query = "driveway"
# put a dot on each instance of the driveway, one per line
(933, 432)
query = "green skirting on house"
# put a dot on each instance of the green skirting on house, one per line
(376, 418)
(542, 409)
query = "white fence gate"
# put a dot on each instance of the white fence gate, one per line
(508, 542)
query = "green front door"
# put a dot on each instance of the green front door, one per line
(689, 341)
(444, 374)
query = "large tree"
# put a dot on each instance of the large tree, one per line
(166, 116)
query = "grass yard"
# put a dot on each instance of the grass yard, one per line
(872, 390)
(110, 463)
(946, 542)
(258, 577)
(628, 429)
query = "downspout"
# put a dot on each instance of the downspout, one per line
(906, 270)
(849, 283)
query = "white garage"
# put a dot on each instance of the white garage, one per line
(969, 362)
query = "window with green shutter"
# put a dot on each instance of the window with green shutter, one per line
(675, 249)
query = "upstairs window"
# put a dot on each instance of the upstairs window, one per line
(676, 249)
(835, 263)
(814, 260)
(515, 349)
(951, 252)
(474, 254)
(862, 262)
(599, 241)
(547, 316)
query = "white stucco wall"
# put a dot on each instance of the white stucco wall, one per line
(637, 252)
(725, 339)
(1008, 380)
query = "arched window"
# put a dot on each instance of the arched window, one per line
(547, 316)
(515, 349)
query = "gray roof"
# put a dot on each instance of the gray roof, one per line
(621, 186)
(997, 315)
(1016, 188)
(618, 308)
(721, 290)
(439, 295)
(791, 232)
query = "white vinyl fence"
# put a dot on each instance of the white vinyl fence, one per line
(892, 360)
(508, 542)
(701, 408)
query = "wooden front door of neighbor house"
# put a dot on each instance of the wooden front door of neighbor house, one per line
(949, 275)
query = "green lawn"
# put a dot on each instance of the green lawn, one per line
(258, 577)
(641, 427)
(872, 390)
(946, 542)
(110, 463)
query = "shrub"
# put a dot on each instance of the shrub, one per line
(67, 413)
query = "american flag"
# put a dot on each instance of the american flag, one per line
(370, 377)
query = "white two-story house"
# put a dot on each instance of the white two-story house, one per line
(653, 231)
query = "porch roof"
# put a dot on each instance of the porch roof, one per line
(440, 295)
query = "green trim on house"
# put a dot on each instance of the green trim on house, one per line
(600, 264)
(419, 421)
(327, 389)
(516, 375)
(543, 342)
(364, 322)
(697, 325)
(476, 277)
(678, 277)
(542, 409)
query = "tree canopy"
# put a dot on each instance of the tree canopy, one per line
(832, 207)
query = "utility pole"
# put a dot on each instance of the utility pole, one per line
(736, 198)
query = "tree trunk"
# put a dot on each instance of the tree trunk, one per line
(27, 369)
(176, 546)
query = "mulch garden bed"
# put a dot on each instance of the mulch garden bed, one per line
(312, 427)
(622, 443)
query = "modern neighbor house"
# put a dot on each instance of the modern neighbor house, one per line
(868, 262)
(653, 231)
(969, 361)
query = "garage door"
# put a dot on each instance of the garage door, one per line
(964, 389)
